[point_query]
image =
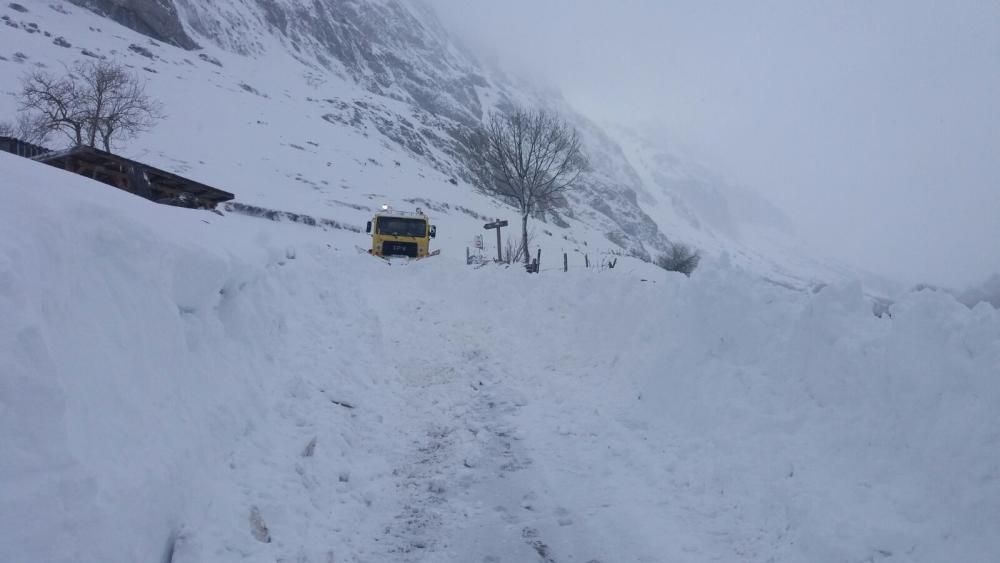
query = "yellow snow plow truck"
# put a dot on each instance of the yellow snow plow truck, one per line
(401, 233)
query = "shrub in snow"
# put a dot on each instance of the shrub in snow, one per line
(681, 258)
(257, 526)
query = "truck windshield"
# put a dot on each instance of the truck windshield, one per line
(402, 226)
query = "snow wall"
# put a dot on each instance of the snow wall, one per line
(138, 346)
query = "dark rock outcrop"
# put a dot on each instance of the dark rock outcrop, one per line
(157, 19)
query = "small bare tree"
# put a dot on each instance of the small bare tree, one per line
(514, 249)
(98, 102)
(528, 157)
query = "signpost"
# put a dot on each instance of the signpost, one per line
(497, 225)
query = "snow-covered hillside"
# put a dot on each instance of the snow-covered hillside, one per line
(338, 107)
(707, 212)
(184, 387)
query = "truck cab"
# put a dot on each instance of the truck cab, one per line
(401, 233)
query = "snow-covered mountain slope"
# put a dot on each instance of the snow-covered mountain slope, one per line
(706, 211)
(179, 386)
(335, 107)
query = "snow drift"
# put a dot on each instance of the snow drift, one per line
(178, 385)
(137, 349)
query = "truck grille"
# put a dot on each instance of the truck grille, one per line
(397, 248)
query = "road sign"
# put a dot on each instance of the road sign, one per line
(496, 225)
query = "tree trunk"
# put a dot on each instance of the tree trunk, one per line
(92, 135)
(524, 238)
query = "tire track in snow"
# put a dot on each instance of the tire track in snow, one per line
(462, 442)
(467, 488)
(445, 449)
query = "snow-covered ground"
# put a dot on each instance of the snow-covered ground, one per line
(187, 387)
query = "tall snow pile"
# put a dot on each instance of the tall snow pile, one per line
(138, 346)
(988, 291)
(188, 387)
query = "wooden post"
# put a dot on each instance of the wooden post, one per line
(565, 262)
(499, 252)
(537, 265)
(586, 260)
(467, 257)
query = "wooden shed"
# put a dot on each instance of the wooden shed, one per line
(21, 148)
(135, 177)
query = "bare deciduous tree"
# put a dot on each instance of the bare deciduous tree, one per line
(528, 157)
(117, 102)
(98, 102)
(56, 102)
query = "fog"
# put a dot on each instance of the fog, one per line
(874, 125)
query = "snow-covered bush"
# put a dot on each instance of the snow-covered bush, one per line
(680, 258)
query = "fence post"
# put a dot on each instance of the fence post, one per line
(500, 248)
(565, 262)
(586, 260)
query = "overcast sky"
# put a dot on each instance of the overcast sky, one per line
(874, 124)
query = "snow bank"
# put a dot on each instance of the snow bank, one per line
(108, 327)
(138, 344)
(988, 291)
(179, 384)
(837, 435)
